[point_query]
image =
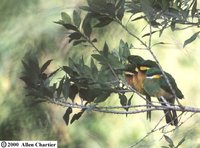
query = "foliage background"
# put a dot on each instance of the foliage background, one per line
(28, 25)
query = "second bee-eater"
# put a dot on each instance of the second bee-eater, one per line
(156, 85)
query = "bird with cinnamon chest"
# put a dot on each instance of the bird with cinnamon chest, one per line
(156, 85)
(135, 78)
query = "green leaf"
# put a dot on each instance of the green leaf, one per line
(124, 50)
(169, 140)
(105, 49)
(77, 116)
(76, 18)
(66, 115)
(60, 22)
(99, 58)
(87, 29)
(180, 142)
(94, 69)
(191, 39)
(66, 18)
(59, 89)
(45, 65)
(65, 89)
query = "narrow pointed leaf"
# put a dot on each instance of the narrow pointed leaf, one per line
(180, 142)
(169, 140)
(65, 88)
(45, 65)
(105, 50)
(77, 116)
(191, 39)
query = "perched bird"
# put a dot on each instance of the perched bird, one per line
(155, 85)
(142, 69)
(135, 77)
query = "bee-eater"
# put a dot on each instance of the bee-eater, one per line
(156, 85)
(135, 78)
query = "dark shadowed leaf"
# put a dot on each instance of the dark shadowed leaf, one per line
(70, 27)
(77, 116)
(76, 18)
(191, 39)
(45, 65)
(87, 94)
(169, 140)
(102, 97)
(120, 11)
(123, 99)
(73, 90)
(78, 42)
(53, 73)
(68, 70)
(74, 36)
(65, 17)
(194, 8)
(129, 100)
(148, 34)
(94, 40)
(173, 25)
(66, 115)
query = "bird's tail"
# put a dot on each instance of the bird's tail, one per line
(170, 115)
(148, 102)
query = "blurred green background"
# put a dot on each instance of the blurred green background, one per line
(28, 25)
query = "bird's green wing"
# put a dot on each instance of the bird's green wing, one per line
(164, 85)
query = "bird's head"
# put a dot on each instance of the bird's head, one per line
(146, 65)
(134, 59)
(130, 70)
(153, 73)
